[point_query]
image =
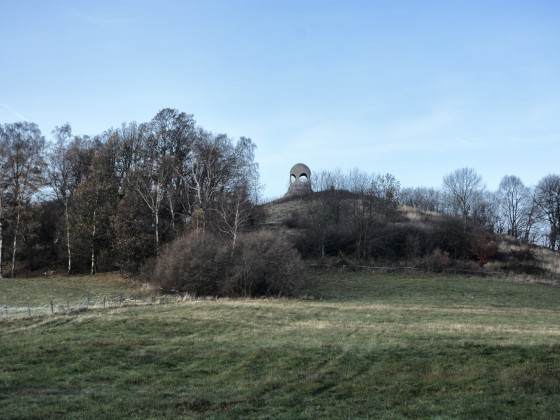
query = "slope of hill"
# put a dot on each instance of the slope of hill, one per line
(406, 225)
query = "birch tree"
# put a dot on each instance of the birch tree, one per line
(217, 167)
(96, 200)
(164, 145)
(68, 163)
(3, 191)
(22, 165)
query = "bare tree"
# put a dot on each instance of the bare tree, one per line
(548, 201)
(217, 165)
(532, 215)
(172, 134)
(163, 147)
(150, 182)
(514, 200)
(1, 226)
(376, 199)
(486, 211)
(426, 199)
(330, 181)
(95, 206)
(462, 191)
(239, 194)
(3, 191)
(235, 211)
(66, 167)
(22, 164)
(385, 189)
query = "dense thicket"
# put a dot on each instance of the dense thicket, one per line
(260, 263)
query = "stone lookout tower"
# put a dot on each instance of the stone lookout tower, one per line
(300, 181)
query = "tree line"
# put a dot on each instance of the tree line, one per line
(113, 200)
(117, 199)
(529, 214)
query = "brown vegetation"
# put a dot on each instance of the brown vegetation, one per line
(201, 264)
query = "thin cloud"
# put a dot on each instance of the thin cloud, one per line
(13, 112)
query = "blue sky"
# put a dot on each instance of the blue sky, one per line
(412, 88)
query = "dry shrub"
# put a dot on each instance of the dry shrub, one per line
(194, 263)
(261, 264)
(483, 247)
(524, 254)
(439, 260)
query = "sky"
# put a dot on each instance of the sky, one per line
(414, 88)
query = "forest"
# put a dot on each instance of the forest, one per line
(111, 201)
(132, 196)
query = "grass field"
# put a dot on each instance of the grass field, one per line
(66, 293)
(355, 345)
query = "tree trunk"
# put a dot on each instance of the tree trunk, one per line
(16, 232)
(1, 237)
(68, 239)
(1, 243)
(235, 229)
(92, 272)
(172, 211)
(157, 231)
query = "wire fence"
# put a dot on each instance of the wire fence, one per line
(51, 308)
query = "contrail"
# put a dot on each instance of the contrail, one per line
(17, 114)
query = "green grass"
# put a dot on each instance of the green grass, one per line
(38, 291)
(355, 345)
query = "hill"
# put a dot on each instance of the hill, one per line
(330, 224)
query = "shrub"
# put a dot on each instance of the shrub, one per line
(483, 247)
(193, 263)
(524, 254)
(438, 260)
(524, 261)
(261, 264)
(453, 235)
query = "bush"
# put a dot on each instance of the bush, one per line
(261, 264)
(525, 255)
(453, 235)
(524, 261)
(439, 260)
(483, 247)
(193, 263)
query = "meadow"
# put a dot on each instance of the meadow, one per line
(352, 345)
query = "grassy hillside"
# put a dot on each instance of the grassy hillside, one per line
(355, 345)
(277, 211)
